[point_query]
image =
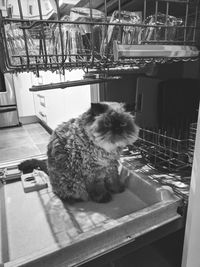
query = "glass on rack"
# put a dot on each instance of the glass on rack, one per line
(66, 41)
(91, 34)
(124, 34)
(167, 29)
(74, 40)
(17, 40)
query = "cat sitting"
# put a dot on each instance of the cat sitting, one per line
(83, 153)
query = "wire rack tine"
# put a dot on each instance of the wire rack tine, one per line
(163, 150)
(64, 57)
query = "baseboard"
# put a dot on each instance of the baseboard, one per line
(46, 127)
(28, 119)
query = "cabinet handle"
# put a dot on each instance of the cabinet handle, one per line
(40, 96)
(43, 104)
(42, 114)
(42, 100)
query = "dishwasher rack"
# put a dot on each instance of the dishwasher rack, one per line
(100, 35)
(166, 151)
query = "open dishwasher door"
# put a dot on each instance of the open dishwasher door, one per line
(39, 229)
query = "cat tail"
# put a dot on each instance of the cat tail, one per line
(29, 165)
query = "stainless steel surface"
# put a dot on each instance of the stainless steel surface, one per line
(8, 97)
(8, 105)
(74, 229)
(8, 116)
(157, 51)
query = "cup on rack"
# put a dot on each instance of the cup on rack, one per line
(91, 34)
(165, 30)
(122, 32)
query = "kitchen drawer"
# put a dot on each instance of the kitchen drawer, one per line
(41, 99)
(76, 101)
(42, 115)
(40, 106)
(49, 107)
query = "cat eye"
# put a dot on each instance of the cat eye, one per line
(123, 124)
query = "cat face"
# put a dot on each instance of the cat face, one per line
(110, 126)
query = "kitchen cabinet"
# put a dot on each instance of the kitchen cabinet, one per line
(49, 107)
(55, 106)
(48, 104)
(25, 101)
(76, 100)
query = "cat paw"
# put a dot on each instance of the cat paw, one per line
(101, 198)
(120, 189)
(115, 187)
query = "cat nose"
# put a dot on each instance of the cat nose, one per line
(118, 129)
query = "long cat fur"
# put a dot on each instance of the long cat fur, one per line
(83, 153)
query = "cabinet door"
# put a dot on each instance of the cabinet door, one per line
(54, 107)
(76, 101)
(40, 106)
(25, 101)
(49, 107)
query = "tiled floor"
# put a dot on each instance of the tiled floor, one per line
(22, 142)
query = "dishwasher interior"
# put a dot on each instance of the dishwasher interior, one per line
(165, 105)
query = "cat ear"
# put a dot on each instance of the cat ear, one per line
(98, 108)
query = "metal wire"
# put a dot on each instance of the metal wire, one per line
(34, 36)
(166, 152)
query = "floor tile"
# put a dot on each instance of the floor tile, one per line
(39, 138)
(42, 147)
(15, 142)
(18, 153)
(20, 142)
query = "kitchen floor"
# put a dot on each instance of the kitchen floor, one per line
(21, 142)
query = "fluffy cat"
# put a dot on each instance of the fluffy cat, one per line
(83, 153)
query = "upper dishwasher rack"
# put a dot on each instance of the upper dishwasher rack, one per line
(97, 34)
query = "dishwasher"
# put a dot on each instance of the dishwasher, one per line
(138, 52)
